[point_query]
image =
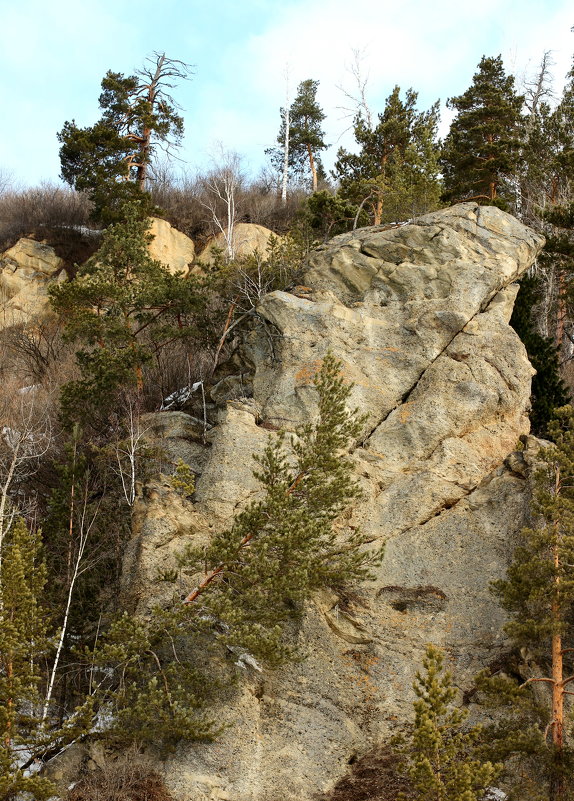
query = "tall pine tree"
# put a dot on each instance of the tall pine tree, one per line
(306, 138)
(111, 160)
(539, 589)
(482, 150)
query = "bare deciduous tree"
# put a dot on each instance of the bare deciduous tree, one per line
(221, 188)
(357, 97)
(25, 437)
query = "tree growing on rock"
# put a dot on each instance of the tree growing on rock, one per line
(111, 160)
(123, 307)
(482, 150)
(158, 675)
(262, 570)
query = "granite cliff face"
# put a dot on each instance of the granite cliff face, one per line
(418, 314)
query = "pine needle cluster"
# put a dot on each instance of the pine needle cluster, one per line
(283, 547)
(443, 764)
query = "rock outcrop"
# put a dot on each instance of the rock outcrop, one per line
(29, 267)
(247, 239)
(170, 246)
(26, 271)
(418, 314)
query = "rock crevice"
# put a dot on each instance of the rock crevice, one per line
(418, 315)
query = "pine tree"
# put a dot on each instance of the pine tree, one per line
(280, 549)
(24, 644)
(306, 138)
(481, 152)
(159, 675)
(395, 173)
(442, 763)
(111, 159)
(155, 679)
(123, 307)
(539, 589)
(324, 215)
(548, 390)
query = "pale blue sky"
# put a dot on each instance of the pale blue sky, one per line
(54, 55)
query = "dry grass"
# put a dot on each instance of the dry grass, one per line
(122, 780)
(372, 777)
(33, 211)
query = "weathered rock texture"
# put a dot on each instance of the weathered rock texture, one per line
(170, 246)
(418, 314)
(26, 271)
(247, 238)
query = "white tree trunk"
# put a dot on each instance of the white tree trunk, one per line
(85, 528)
(286, 155)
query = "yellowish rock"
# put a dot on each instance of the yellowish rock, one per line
(171, 247)
(247, 239)
(418, 315)
(26, 270)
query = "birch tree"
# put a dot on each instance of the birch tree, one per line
(25, 437)
(220, 196)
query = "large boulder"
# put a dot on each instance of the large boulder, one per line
(26, 271)
(170, 246)
(248, 238)
(418, 315)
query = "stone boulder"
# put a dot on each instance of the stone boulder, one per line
(247, 239)
(171, 247)
(26, 271)
(418, 315)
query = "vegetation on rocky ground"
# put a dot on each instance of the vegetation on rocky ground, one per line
(130, 333)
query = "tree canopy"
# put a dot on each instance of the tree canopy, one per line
(111, 159)
(395, 173)
(483, 146)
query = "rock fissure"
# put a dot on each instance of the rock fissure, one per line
(440, 487)
(408, 393)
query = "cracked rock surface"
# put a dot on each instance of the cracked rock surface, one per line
(418, 314)
(26, 271)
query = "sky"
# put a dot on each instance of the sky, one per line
(246, 54)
